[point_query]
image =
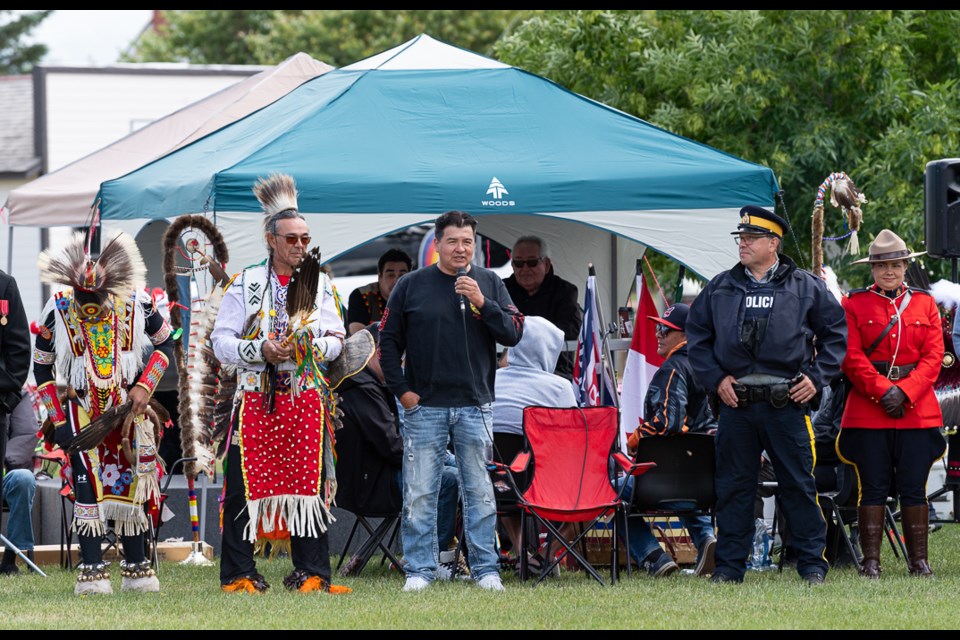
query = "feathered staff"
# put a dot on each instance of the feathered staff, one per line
(199, 369)
(302, 291)
(203, 396)
(845, 195)
(301, 302)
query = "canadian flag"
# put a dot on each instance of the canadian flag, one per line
(642, 362)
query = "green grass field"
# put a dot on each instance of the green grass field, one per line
(190, 599)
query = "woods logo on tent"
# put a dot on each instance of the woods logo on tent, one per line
(497, 190)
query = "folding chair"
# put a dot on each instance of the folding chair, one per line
(67, 497)
(155, 515)
(684, 473)
(389, 524)
(573, 455)
(840, 505)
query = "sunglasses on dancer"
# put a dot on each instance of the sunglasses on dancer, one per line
(292, 239)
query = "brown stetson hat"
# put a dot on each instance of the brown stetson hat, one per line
(888, 246)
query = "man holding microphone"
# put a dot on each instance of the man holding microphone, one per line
(438, 340)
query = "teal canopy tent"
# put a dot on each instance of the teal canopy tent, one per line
(403, 136)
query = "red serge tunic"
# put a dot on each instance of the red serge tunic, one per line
(916, 340)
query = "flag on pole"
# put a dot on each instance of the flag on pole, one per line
(642, 361)
(593, 382)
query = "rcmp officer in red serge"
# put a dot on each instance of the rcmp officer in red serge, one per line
(765, 337)
(890, 427)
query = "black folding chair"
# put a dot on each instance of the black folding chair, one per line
(684, 473)
(389, 524)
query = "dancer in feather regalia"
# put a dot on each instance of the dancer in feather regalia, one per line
(93, 337)
(279, 325)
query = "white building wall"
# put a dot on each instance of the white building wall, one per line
(87, 111)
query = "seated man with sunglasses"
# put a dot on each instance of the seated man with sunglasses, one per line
(674, 403)
(538, 291)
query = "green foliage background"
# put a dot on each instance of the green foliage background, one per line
(872, 93)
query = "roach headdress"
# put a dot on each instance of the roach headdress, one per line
(117, 271)
(276, 194)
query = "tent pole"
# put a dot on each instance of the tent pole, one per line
(10, 250)
(606, 356)
(614, 280)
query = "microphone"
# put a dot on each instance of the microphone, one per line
(462, 272)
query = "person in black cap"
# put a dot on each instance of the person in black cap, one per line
(674, 403)
(766, 337)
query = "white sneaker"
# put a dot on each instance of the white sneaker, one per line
(415, 583)
(490, 582)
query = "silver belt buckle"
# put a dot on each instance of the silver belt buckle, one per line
(894, 373)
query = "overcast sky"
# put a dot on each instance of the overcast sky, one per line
(89, 37)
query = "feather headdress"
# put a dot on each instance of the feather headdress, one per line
(118, 270)
(276, 194)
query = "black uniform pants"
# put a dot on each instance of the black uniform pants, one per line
(311, 555)
(892, 461)
(786, 435)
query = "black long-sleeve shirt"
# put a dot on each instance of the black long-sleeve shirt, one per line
(423, 321)
(14, 344)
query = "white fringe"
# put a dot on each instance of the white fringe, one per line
(148, 485)
(305, 516)
(128, 519)
(854, 243)
(86, 527)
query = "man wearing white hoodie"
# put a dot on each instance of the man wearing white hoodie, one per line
(525, 378)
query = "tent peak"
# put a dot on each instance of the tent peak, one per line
(424, 52)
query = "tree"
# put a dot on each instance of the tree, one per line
(335, 36)
(212, 36)
(16, 56)
(806, 93)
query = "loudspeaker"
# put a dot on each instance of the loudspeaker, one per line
(941, 199)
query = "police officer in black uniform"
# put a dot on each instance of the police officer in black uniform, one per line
(766, 337)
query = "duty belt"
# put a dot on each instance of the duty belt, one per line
(776, 393)
(895, 372)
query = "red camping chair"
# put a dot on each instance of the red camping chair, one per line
(572, 452)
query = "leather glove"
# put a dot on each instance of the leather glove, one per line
(892, 401)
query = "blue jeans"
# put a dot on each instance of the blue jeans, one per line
(642, 540)
(19, 487)
(426, 432)
(447, 503)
